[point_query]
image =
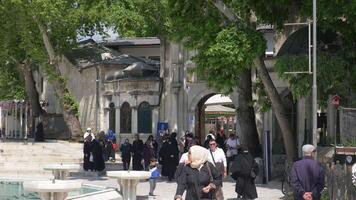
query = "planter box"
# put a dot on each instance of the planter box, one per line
(345, 155)
(345, 150)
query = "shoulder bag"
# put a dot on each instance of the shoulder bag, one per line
(214, 189)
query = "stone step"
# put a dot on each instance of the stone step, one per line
(30, 154)
(40, 159)
(29, 171)
(31, 176)
(38, 165)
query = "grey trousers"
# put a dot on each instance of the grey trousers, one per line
(152, 185)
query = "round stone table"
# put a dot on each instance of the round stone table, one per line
(52, 190)
(128, 181)
(61, 171)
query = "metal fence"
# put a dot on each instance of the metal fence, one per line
(347, 123)
(339, 182)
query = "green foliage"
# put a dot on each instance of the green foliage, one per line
(70, 102)
(63, 21)
(11, 84)
(262, 103)
(334, 76)
(195, 23)
(348, 141)
(324, 195)
(232, 51)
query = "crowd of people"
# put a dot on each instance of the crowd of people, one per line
(180, 158)
(199, 169)
(98, 148)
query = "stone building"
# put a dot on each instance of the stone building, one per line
(129, 85)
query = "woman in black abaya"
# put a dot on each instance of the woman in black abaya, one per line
(88, 156)
(97, 150)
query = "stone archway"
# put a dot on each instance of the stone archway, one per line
(197, 110)
(200, 118)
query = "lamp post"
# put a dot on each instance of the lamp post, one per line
(314, 94)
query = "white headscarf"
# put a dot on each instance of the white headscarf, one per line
(198, 155)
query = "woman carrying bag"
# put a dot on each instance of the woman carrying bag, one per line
(198, 178)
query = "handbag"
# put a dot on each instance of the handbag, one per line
(219, 195)
(115, 146)
(219, 166)
(214, 189)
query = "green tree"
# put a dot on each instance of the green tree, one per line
(224, 33)
(198, 30)
(336, 54)
(11, 85)
(39, 32)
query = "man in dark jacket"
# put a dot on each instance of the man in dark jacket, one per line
(307, 176)
(126, 149)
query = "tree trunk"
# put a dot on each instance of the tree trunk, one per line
(278, 108)
(30, 88)
(271, 90)
(246, 115)
(69, 114)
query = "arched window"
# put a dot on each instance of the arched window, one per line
(125, 118)
(144, 119)
(112, 116)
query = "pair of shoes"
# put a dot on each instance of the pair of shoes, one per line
(151, 194)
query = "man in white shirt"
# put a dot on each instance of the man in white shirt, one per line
(232, 144)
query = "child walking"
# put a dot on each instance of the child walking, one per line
(154, 175)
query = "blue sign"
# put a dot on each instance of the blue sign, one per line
(162, 128)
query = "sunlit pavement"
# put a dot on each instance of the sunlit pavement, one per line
(166, 190)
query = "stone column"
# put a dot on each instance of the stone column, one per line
(21, 121)
(7, 123)
(191, 121)
(174, 109)
(155, 118)
(26, 119)
(134, 120)
(117, 122)
(15, 121)
(300, 124)
(331, 120)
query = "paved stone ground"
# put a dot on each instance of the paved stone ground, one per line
(166, 190)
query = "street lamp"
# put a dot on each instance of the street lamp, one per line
(314, 94)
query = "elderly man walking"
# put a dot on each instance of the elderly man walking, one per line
(308, 176)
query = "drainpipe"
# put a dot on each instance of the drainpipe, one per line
(97, 106)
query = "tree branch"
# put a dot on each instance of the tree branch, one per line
(226, 11)
(46, 41)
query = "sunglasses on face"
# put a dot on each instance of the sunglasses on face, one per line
(212, 144)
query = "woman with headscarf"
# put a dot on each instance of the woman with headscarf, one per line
(198, 178)
(148, 152)
(126, 149)
(169, 156)
(97, 151)
(137, 148)
(87, 150)
(110, 143)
